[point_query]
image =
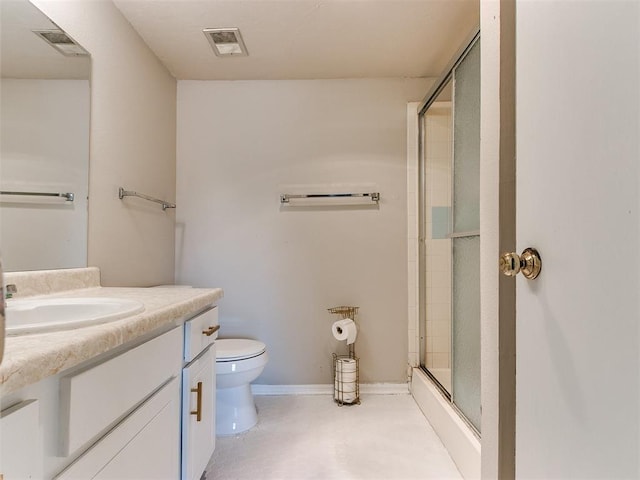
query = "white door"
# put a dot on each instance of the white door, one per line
(577, 110)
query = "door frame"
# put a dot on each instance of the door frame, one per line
(498, 227)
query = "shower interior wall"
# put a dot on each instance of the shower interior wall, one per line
(438, 247)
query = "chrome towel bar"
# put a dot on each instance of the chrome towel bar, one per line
(68, 196)
(374, 196)
(130, 193)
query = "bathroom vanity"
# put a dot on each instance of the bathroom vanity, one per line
(132, 398)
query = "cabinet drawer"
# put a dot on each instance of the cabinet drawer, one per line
(195, 338)
(94, 399)
(146, 444)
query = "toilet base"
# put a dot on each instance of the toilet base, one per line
(235, 410)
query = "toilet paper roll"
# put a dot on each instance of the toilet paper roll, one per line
(349, 388)
(346, 394)
(346, 397)
(345, 329)
(346, 389)
(347, 378)
(346, 365)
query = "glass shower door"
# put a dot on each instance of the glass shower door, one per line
(466, 237)
(450, 229)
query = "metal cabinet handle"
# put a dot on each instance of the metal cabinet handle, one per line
(198, 411)
(529, 263)
(211, 330)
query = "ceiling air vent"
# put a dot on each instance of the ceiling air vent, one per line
(226, 42)
(61, 42)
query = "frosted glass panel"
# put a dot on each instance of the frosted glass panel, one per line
(466, 327)
(466, 143)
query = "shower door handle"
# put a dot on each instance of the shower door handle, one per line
(529, 263)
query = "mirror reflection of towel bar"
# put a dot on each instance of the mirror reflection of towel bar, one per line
(374, 196)
(68, 196)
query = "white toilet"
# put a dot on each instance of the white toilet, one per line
(238, 363)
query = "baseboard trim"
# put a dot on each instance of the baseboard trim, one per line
(292, 389)
(327, 389)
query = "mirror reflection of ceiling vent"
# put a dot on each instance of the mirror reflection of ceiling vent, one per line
(61, 42)
(226, 42)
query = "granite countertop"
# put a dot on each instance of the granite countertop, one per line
(30, 358)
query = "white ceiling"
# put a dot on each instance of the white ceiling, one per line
(306, 39)
(24, 54)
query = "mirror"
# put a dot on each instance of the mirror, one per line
(44, 142)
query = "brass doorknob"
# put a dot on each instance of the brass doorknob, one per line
(529, 263)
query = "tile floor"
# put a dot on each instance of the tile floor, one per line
(310, 437)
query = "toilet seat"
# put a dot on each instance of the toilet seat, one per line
(234, 349)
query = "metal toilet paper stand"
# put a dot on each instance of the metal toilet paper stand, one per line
(346, 368)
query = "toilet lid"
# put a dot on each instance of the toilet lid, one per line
(238, 348)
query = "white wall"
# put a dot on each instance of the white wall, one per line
(240, 144)
(133, 124)
(44, 148)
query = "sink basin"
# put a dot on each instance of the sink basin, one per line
(25, 316)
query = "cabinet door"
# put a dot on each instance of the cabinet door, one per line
(21, 442)
(198, 432)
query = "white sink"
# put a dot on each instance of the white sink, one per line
(25, 316)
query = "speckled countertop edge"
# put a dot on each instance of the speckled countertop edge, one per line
(45, 282)
(31, 358)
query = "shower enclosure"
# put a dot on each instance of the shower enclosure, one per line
(449, 233)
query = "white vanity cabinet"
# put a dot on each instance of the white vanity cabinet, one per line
(144, 410)
(199, 393)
